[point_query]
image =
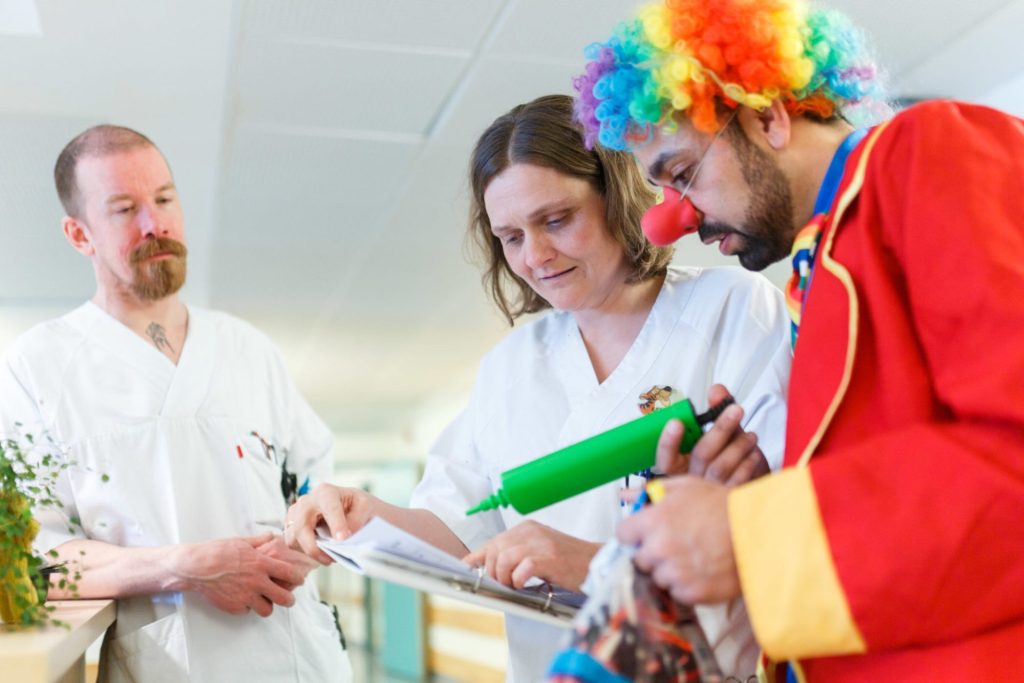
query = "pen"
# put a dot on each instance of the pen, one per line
(268, 448)
(651, 493)
(640, 501)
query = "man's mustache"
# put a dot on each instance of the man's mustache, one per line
(158, 245)
(707, 231)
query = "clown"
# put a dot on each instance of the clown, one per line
(889, 547)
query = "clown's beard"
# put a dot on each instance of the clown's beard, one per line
(767, 230)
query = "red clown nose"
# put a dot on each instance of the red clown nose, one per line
(666, 222)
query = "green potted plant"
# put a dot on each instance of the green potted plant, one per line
(27, 480)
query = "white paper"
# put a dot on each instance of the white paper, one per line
(383, 551)
(381, 536)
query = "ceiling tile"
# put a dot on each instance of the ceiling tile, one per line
(453, 24)
(545, 30)
(118, 57)
(494, 86)
(910, 32)
(292, 84)
(308, 188)
(297, 217)
(963, 71)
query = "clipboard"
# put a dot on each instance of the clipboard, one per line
(382, 551)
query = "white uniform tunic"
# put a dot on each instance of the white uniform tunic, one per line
(163, 454)
(537, 392)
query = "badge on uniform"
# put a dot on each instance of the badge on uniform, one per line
(655, 398)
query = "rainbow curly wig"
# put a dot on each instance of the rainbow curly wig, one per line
(693, 55)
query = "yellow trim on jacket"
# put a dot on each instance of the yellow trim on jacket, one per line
(843, 275)
(796, 604)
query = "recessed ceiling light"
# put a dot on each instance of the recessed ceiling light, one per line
(20, 17)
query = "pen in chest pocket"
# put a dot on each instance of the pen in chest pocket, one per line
(290, 488)
(269, 449)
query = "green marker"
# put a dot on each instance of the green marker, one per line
(608, 456)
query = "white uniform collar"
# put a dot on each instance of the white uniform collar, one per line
(186, 384)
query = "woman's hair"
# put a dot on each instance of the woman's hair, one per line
(543, 133)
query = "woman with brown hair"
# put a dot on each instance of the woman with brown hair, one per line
(558, 226)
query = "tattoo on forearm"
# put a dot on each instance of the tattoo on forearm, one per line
(157, 333)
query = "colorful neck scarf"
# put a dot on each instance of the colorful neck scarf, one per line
(805, 246)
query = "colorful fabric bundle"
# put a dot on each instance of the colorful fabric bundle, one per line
(632, 630)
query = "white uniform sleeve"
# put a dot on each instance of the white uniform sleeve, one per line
(753, 360)
(456, 478)
(20, 418)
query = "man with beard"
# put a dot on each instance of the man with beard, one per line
(183, 436)
(889, 548)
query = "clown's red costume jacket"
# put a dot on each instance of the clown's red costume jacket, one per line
(892, 548)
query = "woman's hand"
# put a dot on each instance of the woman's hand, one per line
(530, 549)
(343, 510)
